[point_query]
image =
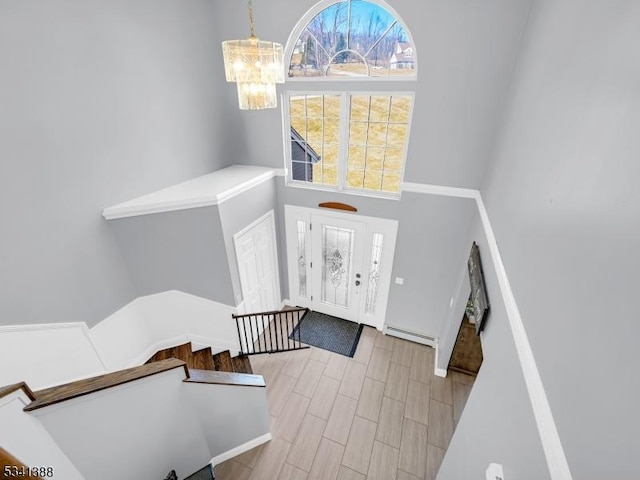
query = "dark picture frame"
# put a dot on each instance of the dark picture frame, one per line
(479, 299)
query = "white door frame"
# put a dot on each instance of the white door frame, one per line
(389, 228)
(270, 217)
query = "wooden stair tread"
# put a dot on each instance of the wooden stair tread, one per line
(241, 364)
(203, 359)
(222, 361)
(181, 352)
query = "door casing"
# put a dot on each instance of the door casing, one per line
(388, 228)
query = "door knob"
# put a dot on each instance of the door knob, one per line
(357, 283)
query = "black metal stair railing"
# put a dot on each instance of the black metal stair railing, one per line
(270, 332)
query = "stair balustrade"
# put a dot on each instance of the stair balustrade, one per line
(270, 332)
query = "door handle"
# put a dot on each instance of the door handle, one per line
(357, 283)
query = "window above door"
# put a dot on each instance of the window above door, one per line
(351, 39)
(354, 139)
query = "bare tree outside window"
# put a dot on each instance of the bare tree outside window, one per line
(352, 140)
(353, 38)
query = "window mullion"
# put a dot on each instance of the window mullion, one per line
(343, 157)
(286, 136)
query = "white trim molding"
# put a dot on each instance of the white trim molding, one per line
(207, 190)
(245, 447)
(437, 371)
(439, 190)
(549, 436)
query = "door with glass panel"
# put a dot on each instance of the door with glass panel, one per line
(340, 264)
(336, 270)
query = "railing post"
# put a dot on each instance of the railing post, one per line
(239, 336)
(244, 326)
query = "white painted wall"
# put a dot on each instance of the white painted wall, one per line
(134, 333)
(26, 439)
(238, 411)
(141, 429)
(101, 102)
(564, 202)
(208, 323)
(51, 354)
(47, 355)
(122, 337)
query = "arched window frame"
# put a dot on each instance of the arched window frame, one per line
(311, 14)
(346, 88)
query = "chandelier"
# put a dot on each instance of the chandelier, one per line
(256, 66)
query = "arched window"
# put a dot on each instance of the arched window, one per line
(348, 140)
(351, 38)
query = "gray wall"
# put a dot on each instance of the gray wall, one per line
(181, 250)
(564, 201)
(497, 423)
(431, 247)
(101, 102)
(240, 212)
(466, 51)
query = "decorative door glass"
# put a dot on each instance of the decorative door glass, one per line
(301, 228)
(374, 273)
(337, 251)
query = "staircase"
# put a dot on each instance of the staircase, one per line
(200, 407)
(204, 359)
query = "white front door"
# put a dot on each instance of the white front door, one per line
(340, 263)
(337, 254)
(258, 266)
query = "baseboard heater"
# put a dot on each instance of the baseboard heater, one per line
(409, 335)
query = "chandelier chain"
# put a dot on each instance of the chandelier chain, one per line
(251, 26)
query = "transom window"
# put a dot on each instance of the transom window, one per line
(353, 140)
(352, 38)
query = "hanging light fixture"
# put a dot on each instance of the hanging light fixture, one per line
(256, 66)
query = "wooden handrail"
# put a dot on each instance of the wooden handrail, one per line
(213, 377)
(9, 389)
(15, 468)
(61, 393)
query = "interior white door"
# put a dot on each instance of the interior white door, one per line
(258, 266)
(336, 269)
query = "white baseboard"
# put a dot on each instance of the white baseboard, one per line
(410, 335)
(245, 447)
(437, 371)
(440, 372)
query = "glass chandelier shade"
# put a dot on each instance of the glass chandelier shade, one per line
(256, 66)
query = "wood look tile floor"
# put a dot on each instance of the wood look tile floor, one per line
(380, 415)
